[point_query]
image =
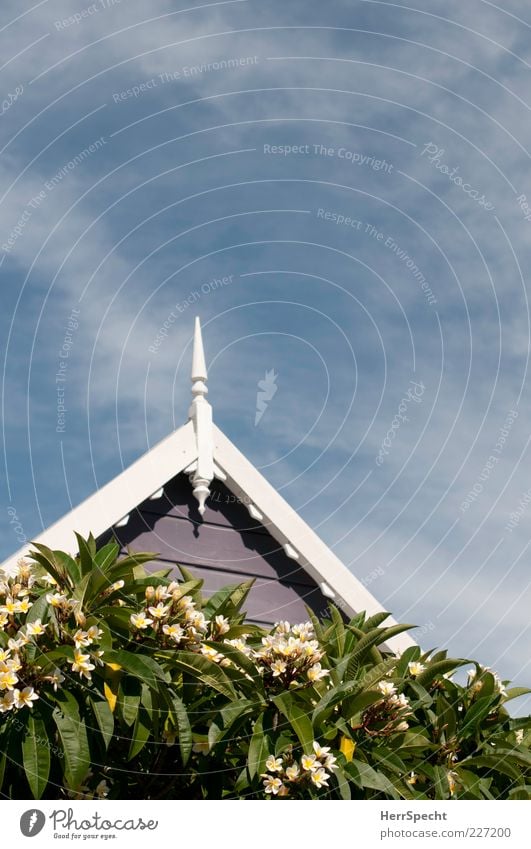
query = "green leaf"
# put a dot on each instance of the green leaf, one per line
(365, 776)
(515, 693)
(36, 756)
(105, 720)
(141, 734)
(258, 749)
(475, 715)
(332, 698)
(74, 741)
(205, 671)
(437, 669)
(297, 718)
(129, 699)
(183, 726)
(227, 600)
(85, 556)
(142, 666)
(106, 556)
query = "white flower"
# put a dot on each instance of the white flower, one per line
(330, 762)
(309, 763)
(56, 599)
(315, 672)
(140, 621)
(402, 726)
(19, 643)
(94, 633)
(272, 784)
(320, 778)
(175, 632)
(7, 701)
(292, 772)
(273, 764)
(8, 679)
(415, 668)
(23, 606)
(81, 639)
(160, 611)
(221, 624)
(36, 628)
(162, 593)
(400, 701)
(25, 697)
(278, 667)
(386, 688)
(412, 778)
(320, 751)
(212, 654)
(55, 679)
(82, 665)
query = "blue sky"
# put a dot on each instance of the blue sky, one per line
(358, 172)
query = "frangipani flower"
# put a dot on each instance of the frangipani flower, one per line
(320, 778)
(35, 629)
(415, 668)
(175, 632)
(140, 621)
(159, 611)
(274, 764)
(81, 639)
(316, 672)
(221, 624)
(8, 679)
(309, 762)
(7, 701)
(320, 751)
(386, 688)
(272, 784)
(278, 667)
(292, 772)
(83, 665)
(25, 697)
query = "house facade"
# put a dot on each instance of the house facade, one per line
(196, 500)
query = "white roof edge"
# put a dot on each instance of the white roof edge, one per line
(288, 528)
(121, 495)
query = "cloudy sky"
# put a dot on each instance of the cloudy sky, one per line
(340, 191)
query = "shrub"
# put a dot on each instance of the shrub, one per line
(121, 684)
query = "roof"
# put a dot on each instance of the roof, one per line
(201, 450)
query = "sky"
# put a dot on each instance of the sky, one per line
(341, 191)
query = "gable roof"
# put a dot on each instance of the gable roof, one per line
(204, 452)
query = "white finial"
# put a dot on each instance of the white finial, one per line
(201, 415)
(199, 369)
